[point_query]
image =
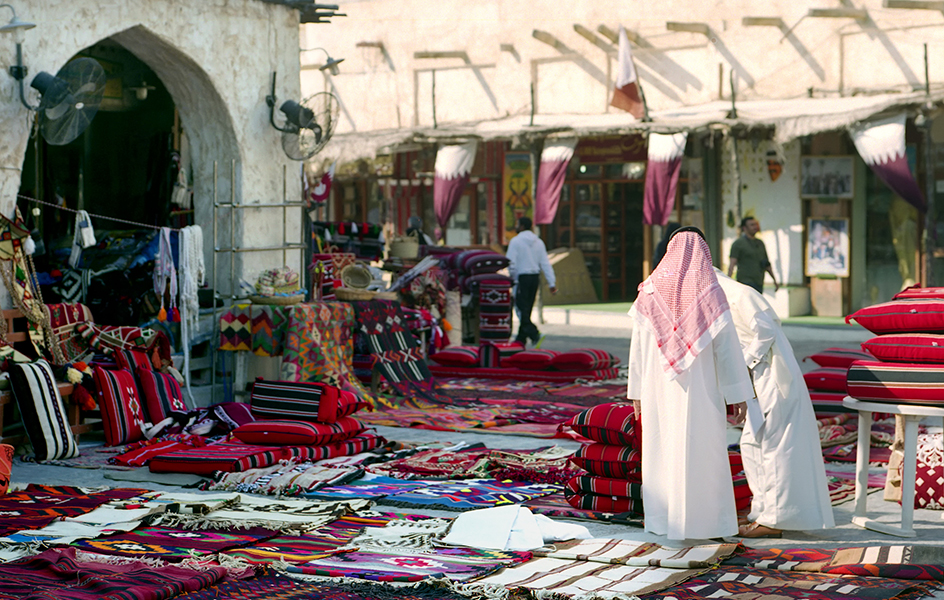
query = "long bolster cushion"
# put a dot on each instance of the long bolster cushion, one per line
(907, 347)
(613, 423)
(896, 383)
(839, 358)
(917, 315)
(302, 401)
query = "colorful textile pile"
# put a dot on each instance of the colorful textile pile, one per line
(259, 328)
(39, 505)
(557, 505)
(495, 302)
(397, 353)
(284, 479)
(469, 494)
(174, 543)
(915, 562)
(63, 319)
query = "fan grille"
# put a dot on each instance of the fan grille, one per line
(302, 144)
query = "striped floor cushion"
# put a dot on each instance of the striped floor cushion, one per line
(235, 458)
(607, 504)
(839, 358)
(43, 413)
(828, 402)
(903, 383)
(826, 379)
(301, 400)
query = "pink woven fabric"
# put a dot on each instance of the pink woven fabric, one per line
(683, 302)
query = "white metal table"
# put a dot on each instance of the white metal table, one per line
(912, 414)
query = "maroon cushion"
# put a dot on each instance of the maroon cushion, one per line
(457, 356)
(608, 504)
(827, 379)
(897, 382)
(132, 360)
(839, 358)
(613, 424)
(121, 407)
(620, 462)
(349, 403)
(162, 394)
(907, 347)
(531, 360)
(476, 262)
(468, 283)
(297, 433)
(300, 400)
(604, 486)
(913, 315)
(493, 354)
(584, 359)
(916, 291)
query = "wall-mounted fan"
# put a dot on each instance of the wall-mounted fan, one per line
(69, 100)
(309, 124)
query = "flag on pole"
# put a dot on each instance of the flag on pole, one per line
(626, 93)
(551, 173)
(319, 195)
(453, 165)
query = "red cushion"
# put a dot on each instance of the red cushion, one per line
(916, 291)
(608, 504)
(531, 360)
(828, 402)
(457, 356)
(301, 400)
(604, 486)
(162, 394)
(348, 404)
(897, 382)
(475, 262)
(613, 424)
(907, 347)
(297, 433)
(826, 379)
(132, 360)
(839, 358)
(493, 354)
(621, 462)
(121, 407)
(583, 359)
(914, 315)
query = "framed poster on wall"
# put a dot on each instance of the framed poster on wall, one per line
(516, 191)
(826, 177)
(827, 247)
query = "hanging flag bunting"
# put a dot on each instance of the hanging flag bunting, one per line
(551, 172)
(319, 195)
(662, 173)
(626, 94)
(453, 165)
(881, 144)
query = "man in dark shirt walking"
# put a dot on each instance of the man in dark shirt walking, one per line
(749, 256)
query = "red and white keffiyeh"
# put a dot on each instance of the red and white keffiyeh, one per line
(683, 303)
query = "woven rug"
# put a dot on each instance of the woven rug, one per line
(90, 458)
(899, 561)
(469, 494)
(556, 505)
(65, 573)
(639, 554)
(283, 479)
(62, 319)
(761, 584)
(397, 354)
(174, 543)
(363, 490)
(319, 346)
(495, 304)
(39, 505)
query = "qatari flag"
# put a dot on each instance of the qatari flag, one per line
(881, 144)
(554, 159)
(626, 93)
(453, 164)
(662, 173)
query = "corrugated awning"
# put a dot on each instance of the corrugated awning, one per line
(789, 119)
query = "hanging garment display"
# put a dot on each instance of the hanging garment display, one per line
(84, 237)
(164, 270)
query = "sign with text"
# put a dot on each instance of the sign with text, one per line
(611, 149)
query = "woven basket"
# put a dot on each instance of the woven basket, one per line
(277, 300)
(386, 296)
(356, 276)
(352, 295)
(404, 247)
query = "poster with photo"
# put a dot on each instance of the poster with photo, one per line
(827, 247)
(826, 177)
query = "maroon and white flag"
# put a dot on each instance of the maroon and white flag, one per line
(319, 195)
(626, 94)
(662, 174)
(554, 159)
(453, 165)
(881, 144)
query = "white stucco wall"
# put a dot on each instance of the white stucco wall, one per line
(387, 88)
(216, 59)
(775, 204)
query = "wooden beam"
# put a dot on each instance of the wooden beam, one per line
(859, 14)
(550, 40)
(763, 22)
(592, 38)
(609, 33)
(448, 54)
(701, 28)
(914, 4)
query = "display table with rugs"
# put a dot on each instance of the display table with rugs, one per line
(913, 414)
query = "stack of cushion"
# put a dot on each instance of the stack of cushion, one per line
(474, 266)
(613, 463)
(908, 350)
(512, 355)
(827, 384)
(299, 413)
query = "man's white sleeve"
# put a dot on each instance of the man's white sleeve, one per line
(512, 256)
(765, 333)
(545, 263)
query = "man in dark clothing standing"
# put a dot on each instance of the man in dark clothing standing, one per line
(528, 258)
(749, 256)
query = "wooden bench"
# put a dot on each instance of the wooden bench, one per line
(13, 318)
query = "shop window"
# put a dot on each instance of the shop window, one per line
(458, 230)
(589, 171)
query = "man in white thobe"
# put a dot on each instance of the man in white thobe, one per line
(783, 459)
(685, 366)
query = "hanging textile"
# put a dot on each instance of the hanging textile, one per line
(662, 174)
(554, 159)
(881, 144)
(192, 274)
(164, 270)
(84, 237)
(453, 165)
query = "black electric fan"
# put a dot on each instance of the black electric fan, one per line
(69, 100)
(309, 124)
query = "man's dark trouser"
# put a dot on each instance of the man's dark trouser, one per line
(757, 286)
(524, 302)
